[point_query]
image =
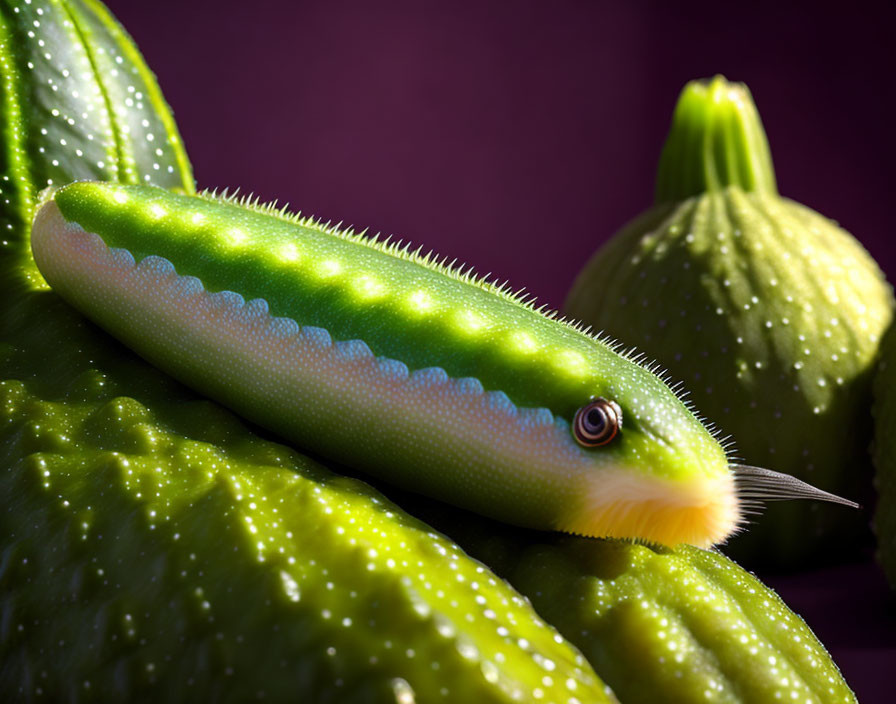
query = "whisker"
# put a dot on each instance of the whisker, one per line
(757, 484)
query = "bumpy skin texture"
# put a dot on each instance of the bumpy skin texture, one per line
(709, 629)
(152, 547)
(663, 626)
(885, 456)
(321, 337)
(78, 103)
(768, 312)
(657, 624)
(156, 550)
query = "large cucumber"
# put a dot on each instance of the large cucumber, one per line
(686, 625)
(660, 625)
(151, 546)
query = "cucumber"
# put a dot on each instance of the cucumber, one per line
(665, 625)
(709, 630)
(78, 103)
(154, 548)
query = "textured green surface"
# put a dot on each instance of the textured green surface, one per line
(677, 626)
(151, 546)
(661, 625)
(78, 103)
(154, 547)
(768, 312)
(126, 501)
(885, 455)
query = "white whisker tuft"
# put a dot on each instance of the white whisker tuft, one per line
(756, 485)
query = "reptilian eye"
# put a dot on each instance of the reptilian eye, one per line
(597, 423)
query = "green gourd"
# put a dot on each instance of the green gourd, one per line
(155, 550)
(668, 626)
(767, 312)
(78, 102)
(152, 547)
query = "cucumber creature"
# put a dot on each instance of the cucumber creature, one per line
(386, 360)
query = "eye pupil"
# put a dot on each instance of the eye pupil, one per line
(595, 420)
(597, 423)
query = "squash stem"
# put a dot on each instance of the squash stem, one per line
(716, 140)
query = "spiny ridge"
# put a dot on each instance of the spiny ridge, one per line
(402, 249)
(459, 272)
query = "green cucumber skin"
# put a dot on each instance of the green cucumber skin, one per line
(633, 609)
(736, 639)
(156, 550)
(128, 566)
(78, 103)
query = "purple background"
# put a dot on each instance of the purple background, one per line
(519, 136)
